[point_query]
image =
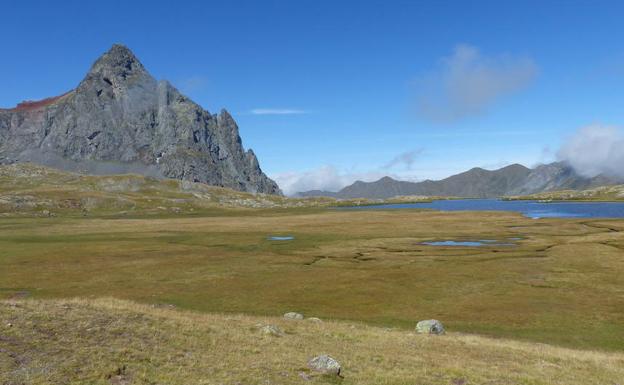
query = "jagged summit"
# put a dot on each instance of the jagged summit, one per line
(119, 67)
(120, 119)
(118, 59)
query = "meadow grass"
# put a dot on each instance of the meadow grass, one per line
(113, 342)
(560, 284)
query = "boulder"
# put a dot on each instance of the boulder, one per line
(430, 326)
(293, 316)
(271, 330)
(325, 364)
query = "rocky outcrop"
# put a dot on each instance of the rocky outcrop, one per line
(121, 120)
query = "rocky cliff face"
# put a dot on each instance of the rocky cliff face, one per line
(120, 119)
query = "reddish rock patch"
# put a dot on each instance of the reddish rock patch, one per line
(29, 105)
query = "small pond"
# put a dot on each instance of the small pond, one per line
(281, 238)
(478, 243)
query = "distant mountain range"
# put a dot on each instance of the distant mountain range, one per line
(515, 179)
(121, 120)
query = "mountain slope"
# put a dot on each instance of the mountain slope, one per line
(120, 119)
(28, 190)
(475, 183)
(558, 176)
(108, 341)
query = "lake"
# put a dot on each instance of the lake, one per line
(531, 209)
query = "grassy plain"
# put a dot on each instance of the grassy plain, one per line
(559, 284)
(112, 342)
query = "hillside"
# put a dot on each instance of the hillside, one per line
(112, 342)
(474, 183)
(602, 193)
(33, 190)
(28, 189)
(119, 120)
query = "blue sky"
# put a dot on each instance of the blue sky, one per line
(327, 92)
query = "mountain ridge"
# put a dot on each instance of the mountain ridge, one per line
(477, 182)
(120, 119)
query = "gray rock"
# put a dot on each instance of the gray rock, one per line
(314, 319)
(121, 120)
(293, 316)
(271, 330)
(430, 326)
(325, 364)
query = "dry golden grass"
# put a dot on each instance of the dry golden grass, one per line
(108, 341)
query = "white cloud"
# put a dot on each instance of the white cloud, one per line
(406, 159)
(326, 178)
(468, 83)
(277, 111)
(595, 150)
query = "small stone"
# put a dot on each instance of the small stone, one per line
(293, 316)
(325, 364)
(314, 319)
(305, 376)
(271, 330)
(430, 326)
(9, 325)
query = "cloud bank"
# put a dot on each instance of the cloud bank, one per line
(326, 178)
(467, 83)
(277, 111)
(595, 150)
(329, 178)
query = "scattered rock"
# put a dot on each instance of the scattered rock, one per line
(293, 316)
(271, 330)
(9, 325)
(305, 376)
(325, 364)
(314, 319)
(430, 326)
(119, 377)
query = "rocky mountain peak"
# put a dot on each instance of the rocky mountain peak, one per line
(119, 69)
(120, 119)
(117, 61)
(225, 118)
